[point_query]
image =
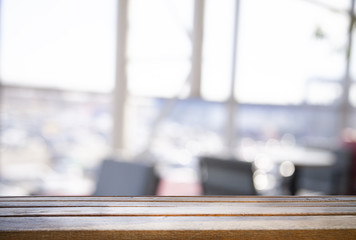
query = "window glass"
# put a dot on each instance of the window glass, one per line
(260, 122)
(53, 133)
(217, 49)
(52, 141)
(192, 127)
(64, 44)
(353, 53)
(336, 5)
(159, 46)
(323, 92)
(352, 120)
(281, 53)
(352, 95)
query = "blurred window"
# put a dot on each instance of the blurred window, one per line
(53, 132)
(59, 44)
(217, 49)
(353, 52)
(159, 46)
(183, 134)
(283, 56)
(263, 122)
(352, 95)
(352, 120)
(289, 72)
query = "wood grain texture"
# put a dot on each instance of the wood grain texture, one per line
(178, 217)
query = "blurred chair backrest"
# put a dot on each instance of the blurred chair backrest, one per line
(118, 178)
(226, 177)
(331, 180)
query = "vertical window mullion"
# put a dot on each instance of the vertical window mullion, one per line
(197, 46)
(231, 102)
(120, 89)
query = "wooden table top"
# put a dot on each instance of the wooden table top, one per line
(328, 217)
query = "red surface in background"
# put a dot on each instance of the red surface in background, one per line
(170, 188)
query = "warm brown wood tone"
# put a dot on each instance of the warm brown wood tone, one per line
(178, 217)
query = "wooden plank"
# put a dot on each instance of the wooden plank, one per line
(339, 234)
(44, 204)
(174, 211)
(178, 217)
(185, 199)
(167, 223)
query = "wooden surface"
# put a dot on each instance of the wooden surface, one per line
(178, 217)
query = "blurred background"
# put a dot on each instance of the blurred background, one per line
(160, 89)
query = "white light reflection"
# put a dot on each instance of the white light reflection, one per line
(286, 169)
(262, 162)
(263, 181)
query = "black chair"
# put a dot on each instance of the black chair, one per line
(118, 178)
(330, 180)
(226, 177)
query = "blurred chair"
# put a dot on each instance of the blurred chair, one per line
(352, 148)
(226, 177)
(331, 180)
(118, 178)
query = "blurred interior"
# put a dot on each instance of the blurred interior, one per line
(177, 97)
